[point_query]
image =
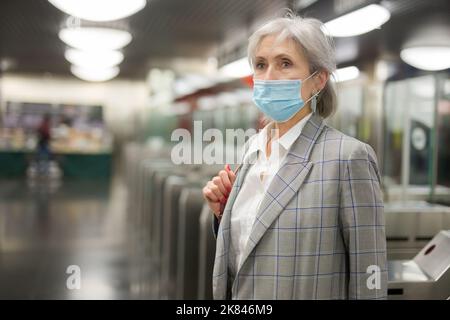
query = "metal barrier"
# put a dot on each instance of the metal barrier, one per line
(427, 276)
(165, 203)
(207, 250)
(191, 203)
(148, 195)
(410, 225)
(172, 190)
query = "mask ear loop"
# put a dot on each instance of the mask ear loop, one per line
(310, 76)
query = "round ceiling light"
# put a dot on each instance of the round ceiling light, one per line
(95, 74)
(430, 58)
(357, 22)
(87, 38)
(345, 74)
(99, 10)
(93, 59)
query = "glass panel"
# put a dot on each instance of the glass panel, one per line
(409, 137)
(350, 100)
(348, 117)
(396, 92)
(421, 116)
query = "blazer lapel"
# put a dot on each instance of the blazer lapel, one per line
(285, 183)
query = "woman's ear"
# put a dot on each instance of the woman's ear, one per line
(320, 80)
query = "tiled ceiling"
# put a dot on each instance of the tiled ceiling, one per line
(167, 29)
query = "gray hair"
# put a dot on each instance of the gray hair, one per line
(316, 46)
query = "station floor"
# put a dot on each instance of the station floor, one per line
(47, 227)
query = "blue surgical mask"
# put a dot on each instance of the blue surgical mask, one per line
(280, 99)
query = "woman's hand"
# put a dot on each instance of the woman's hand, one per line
(218, 189)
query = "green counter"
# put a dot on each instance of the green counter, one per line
(74, 165)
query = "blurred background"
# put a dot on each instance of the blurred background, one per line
(91, 92)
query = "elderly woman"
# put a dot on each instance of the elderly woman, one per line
(303, 217)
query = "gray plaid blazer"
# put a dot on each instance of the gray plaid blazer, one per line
(318, 230)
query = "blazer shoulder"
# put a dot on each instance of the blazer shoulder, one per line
(350, 147)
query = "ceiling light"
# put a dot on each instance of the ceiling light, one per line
(357, 22)
(99, 10)
(93, 59)
(345, 74)
(431, 58)
(95, 74)
(236, 69)
(95, 38)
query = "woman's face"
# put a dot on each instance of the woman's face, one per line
(283, 60)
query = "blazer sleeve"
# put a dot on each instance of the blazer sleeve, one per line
(362, 222)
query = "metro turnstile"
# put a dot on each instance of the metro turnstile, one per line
(138, 201)
(146, 191)
(427, 276)
(172, 191)
(151, 199)
(154, 185)
(174, 186)
(157, 207)
(191, 204)
(207, 250)
(411, 225)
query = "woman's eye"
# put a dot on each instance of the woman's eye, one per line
(259, 65)
(285, 64)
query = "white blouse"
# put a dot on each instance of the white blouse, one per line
(257, 181)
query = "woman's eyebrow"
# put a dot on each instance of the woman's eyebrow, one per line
(277, 57)
(283, 56)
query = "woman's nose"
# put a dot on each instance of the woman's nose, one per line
(269, 74)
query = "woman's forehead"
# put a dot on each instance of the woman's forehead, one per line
(272, 46)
